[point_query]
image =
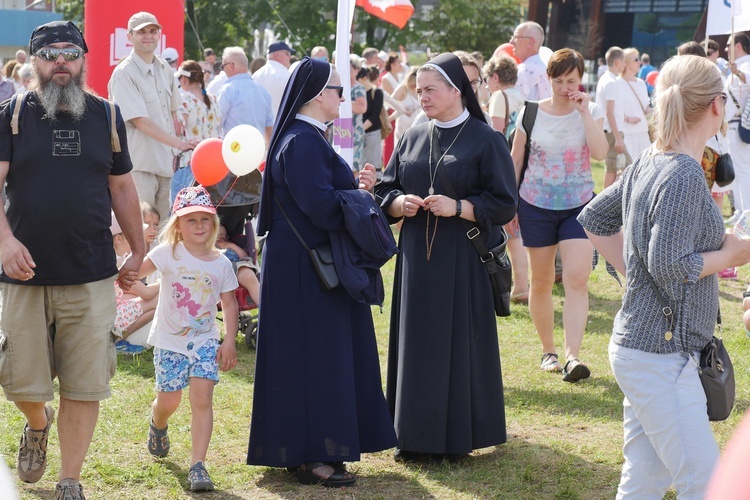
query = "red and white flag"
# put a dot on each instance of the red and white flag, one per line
(396, 12)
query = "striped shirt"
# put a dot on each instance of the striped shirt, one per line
(667, 211)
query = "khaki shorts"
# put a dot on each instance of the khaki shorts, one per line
(610, 161)
(57, 331)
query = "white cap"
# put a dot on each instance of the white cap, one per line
(170, 54)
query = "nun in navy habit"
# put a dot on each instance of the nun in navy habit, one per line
(318, 398)
(444, 384)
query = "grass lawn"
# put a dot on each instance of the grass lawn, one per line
(564, 440)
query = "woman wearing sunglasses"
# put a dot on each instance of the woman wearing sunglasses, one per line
(318, 399)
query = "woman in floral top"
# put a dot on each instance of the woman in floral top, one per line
(556, 186)
(199, 113)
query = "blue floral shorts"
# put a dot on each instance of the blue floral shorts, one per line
(173, 370)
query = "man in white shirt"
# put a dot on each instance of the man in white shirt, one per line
(144, 87)
(608, 98)
(532, 72)
(738, 89)
(273, 75)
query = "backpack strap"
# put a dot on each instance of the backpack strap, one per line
(529, 117)
(111, 111)
(507, 112)
(16, 106)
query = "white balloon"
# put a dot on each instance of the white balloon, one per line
(544, 54)
(243, 149)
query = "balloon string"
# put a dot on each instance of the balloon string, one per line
(227, 193)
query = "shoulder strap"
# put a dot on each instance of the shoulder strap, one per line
(665, 309)
(289, 221)
(529, 117)
(472, 230)
(645, 110)
(507, 112)
(111, 112)
(16, 106)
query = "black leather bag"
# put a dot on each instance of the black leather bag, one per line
(321, 256)
(714, 367)
(501, 277)
(322, 259)
(717, 378)
(724, 170)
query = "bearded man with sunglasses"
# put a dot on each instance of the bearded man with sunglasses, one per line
(65, 174)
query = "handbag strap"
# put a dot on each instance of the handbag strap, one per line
(472, 230)
(665, 309)
(294, 229)
(645, 110)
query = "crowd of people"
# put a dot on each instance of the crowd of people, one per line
(463, 154)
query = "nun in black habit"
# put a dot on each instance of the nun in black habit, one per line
(318, 398)
(444, 385)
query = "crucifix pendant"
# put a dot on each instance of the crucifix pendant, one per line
(431, 191)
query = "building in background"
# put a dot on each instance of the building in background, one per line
(18, 18)
(656, 27)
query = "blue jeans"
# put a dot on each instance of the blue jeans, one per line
(667, 436)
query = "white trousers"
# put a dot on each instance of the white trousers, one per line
(740, 152)
(667, 436)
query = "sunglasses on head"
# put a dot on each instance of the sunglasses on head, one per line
(337, 87)
(69, 54)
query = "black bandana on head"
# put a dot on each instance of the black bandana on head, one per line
(56, 32)
(451, 67)
(307, 81)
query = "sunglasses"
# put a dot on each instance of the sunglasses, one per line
(710, 53)
(336, 87)
(69, 54)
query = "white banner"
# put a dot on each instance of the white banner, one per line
(343, 134)
(720, 13)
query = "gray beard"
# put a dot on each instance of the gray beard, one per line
(69, 98)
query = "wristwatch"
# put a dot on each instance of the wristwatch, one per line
(458, 208)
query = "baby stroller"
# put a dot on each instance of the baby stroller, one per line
(237, 199)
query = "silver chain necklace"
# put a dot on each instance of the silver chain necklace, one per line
(433, 175)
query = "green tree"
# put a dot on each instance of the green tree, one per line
(471, 25)
(72, 10)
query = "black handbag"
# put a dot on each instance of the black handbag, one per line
(717, 378)
(321, 256)
(715, 368)
(496, 260)
(724, 170)
(501, 276)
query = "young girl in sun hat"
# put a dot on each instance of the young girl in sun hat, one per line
(194, 277)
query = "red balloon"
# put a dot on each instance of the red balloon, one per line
(506, 48)
(262, 166)
(207, 162)
(651, 78)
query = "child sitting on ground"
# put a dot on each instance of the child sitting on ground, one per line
(243, 265)
(195, 276)
(134, 308)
